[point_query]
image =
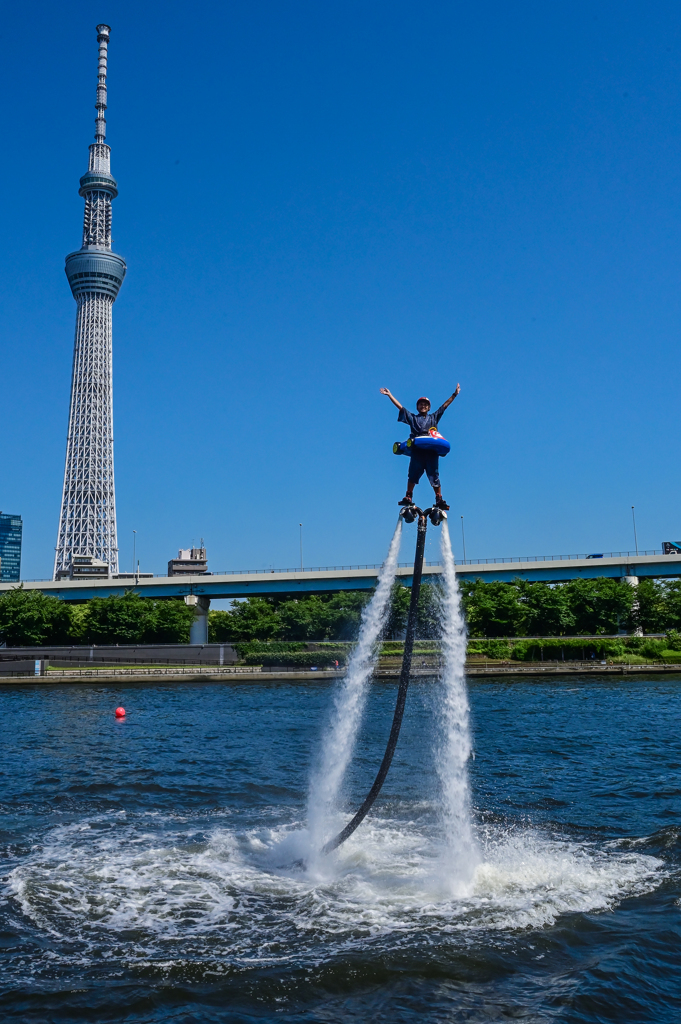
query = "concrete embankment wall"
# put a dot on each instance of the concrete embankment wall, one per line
(125, 654)
(250, 674)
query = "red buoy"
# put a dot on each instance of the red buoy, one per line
(120, 712)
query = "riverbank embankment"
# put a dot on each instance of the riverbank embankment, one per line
(249, 674)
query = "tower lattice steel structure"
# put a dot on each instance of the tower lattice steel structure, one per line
(87, 524)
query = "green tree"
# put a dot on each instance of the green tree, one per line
(117, 619)
(600, 605)
(659, 605)
(399, 612)
(253, 619)
(77, 628)
(131, 619)
(315, 617)
(653, 613)
(29, 618)
(169, 623)
(492, 609)
(320, 617)
(672, 603)
(344, 612)
(303, 618)
(546, 609)
(672, 641)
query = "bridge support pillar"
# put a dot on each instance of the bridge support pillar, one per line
(198, 634)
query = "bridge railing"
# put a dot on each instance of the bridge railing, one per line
(559, 558)
(468, 561)
(402, 565)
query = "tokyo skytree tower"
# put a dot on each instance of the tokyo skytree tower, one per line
(87, 524)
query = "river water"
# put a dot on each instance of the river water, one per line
(150, 867)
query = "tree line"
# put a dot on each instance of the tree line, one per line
(579, 608)
(29, 618)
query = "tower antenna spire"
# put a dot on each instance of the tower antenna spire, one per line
(103, 40)
(87, 521)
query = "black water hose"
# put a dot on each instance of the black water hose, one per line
(401, 694)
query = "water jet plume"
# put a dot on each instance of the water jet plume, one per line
(461, 852)
(339, 740)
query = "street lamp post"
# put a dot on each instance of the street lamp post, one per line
(463, 541)
(301, 546)
(633, 516)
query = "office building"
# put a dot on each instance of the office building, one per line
(10, 547)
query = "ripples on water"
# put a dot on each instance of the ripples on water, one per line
(150, 865)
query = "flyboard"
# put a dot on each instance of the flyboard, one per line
(408, 514)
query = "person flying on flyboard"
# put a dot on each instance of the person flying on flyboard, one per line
(425, 444)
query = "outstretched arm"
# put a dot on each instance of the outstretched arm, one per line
(386, 391)
(451, 398)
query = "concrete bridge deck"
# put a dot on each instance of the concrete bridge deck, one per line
(292, 582)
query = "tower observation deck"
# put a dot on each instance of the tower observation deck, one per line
(87, 523)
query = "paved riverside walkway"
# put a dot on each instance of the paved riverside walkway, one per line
(250, 674)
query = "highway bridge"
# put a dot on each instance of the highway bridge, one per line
(200, 589)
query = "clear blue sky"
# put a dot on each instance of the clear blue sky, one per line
(317, 199)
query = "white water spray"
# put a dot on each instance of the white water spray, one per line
(339, 741)
(452, 764)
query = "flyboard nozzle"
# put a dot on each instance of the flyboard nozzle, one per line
(409, 513)
(436, 515)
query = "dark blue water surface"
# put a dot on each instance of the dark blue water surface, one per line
(150, 867)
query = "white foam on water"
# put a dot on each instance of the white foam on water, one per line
(138, 890)
(339, 739)
(461, 855)
(153, 889)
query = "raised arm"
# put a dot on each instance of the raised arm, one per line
(386, 391)
(445, 405)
